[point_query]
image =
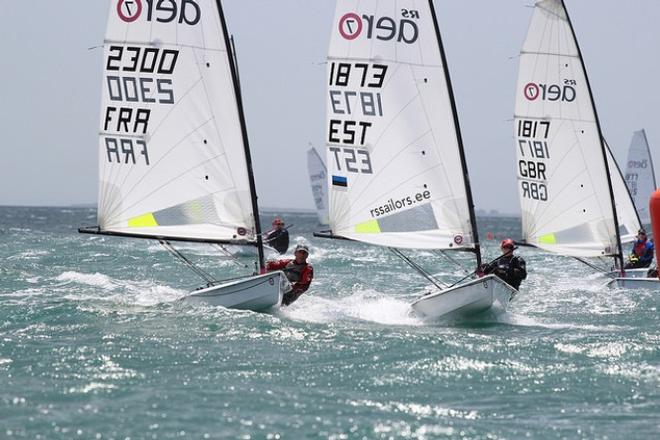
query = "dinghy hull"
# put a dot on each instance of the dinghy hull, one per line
(466, 299)
(257, 293)
(631, 273)
(635, 283)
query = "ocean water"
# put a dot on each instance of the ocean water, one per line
(95, 345)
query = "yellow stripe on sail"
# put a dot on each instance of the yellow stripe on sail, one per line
(548, 239)
(370, 227)
(143, 221)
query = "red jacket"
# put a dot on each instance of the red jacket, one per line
(300, 276)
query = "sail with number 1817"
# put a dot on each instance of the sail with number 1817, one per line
(573, 197)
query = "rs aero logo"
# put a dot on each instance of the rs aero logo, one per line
(162, 11)
(403, 30)
(551, 92)
(637, 164)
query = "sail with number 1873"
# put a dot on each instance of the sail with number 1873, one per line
(397, 175)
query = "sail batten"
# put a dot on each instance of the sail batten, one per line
(173, 159)
(395, 171)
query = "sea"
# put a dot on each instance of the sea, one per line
(95, 344)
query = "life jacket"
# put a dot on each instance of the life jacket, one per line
(640, 248)
(278, 239)
(294, 271)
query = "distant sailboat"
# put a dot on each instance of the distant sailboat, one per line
(573, 197)
(174, 159)
(397, 172)
(640, 174)
(318, 175)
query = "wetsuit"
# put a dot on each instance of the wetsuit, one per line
(509, 268)
(278, 239)
(299, 275)
(641, 255)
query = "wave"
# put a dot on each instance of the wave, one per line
(143, 293)
(362, 305)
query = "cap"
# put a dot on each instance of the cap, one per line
(302, 247)
(507, 243)
(641, 231)
(278, 221)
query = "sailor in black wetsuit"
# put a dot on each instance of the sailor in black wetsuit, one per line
(278, 237)
(509, 268)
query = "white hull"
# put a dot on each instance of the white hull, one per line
(257, 293)
(249, 251)
(630, 273)
(470, 298)
(635, 283)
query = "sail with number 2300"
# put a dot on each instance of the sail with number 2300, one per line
(174, 159)
(171, 150)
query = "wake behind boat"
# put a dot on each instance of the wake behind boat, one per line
(174, 159)
(397, 175)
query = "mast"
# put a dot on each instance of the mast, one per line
(459, 138)
(241, 116)
(602, 144)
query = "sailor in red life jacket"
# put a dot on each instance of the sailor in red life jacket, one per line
(298, 271)
(642, 252)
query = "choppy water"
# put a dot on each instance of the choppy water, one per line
(94, 345)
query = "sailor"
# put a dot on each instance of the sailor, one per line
(642, 252)
(298, 271)
(278, 237)
(509, 267)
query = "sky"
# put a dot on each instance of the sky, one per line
(50, 86)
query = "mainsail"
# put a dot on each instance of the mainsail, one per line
(640, 175)
(396, 169)
(318, 176)
(563, 176)
(629, 222)
(173, 157)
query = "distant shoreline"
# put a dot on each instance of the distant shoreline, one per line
(265, 209)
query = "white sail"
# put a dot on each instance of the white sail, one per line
(171, 151)
(318, 176)
(625, 209)
(562, 175)
(640, 175)
(394, 159)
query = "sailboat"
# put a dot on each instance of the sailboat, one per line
(318, 175)
(397, 175)
(174, 159)
(573, 197)
(640, 174)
